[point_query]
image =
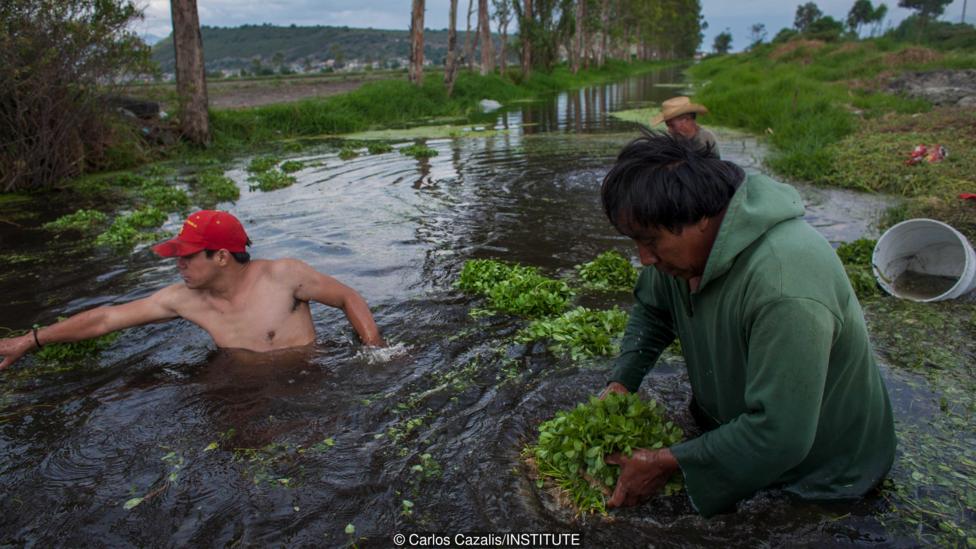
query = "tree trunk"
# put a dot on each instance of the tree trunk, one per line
(470, 41)
(580, 38)
(601, 56)
(484, 28)
(417, 43)
(191, 76)
(504, 48)
(450, 65)
(526, 41)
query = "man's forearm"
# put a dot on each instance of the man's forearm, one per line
(357, 311)
(85, 325)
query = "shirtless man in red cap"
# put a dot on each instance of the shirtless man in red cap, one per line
(256, 305)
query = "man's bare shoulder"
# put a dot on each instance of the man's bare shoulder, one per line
(287, 268)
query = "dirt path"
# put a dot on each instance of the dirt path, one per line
(236, 95)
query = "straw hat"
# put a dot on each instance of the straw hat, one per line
(676, 106)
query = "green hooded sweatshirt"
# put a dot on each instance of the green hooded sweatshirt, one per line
(778, 357)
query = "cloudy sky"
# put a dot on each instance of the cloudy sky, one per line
(738, 16)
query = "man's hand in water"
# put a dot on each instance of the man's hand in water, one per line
(642, 474)
(12, 348)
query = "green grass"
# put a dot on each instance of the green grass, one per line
(807, 98)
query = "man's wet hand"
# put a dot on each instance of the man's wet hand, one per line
(11, 349)
(642, 474)
(613, 387)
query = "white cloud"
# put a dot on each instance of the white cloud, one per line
(738, 17)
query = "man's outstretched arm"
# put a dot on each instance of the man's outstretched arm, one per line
(89, 324)
(315, 286)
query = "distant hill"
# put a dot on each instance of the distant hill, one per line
(236, 47)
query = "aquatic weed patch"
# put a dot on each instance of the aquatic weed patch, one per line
(514, 289)
(260, 164)
(580, 333)
(418, 150)
(571, 447)
(930, 349)
(292, 166)
(127, 230)
(609, 271)
(82, 220)
(271, 180)
(212, 186)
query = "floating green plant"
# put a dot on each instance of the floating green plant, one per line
(292, 166)
(514, 289)
(76, 351)
(580, 333)
(213, 186)
(418, 151)
(261, 164)
(377, 147)
(609, 271)
(81, 220)
(272, 180)
(348, 153)
(571, 447)
(125, 230)
(159, 194)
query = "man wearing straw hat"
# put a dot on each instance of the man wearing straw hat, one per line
(679, 115)
(260, 305)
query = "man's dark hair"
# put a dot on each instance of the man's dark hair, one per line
(240, 257)
(664, 181)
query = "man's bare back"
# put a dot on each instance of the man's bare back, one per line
(260, 305)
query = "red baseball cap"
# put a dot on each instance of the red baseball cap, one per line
(206, 230)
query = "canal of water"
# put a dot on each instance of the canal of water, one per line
(288, 449)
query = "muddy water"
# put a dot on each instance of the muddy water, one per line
(288, 449)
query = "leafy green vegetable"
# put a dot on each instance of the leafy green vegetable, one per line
(292, 166)
(514, 289)
(260, 164)
(571, 447)
(580, 333)
(348, 152)
(418, 151)
(272, 180)
(81, 220)
(609, 271)
(379, 147)
(213, 186)
(124, 232)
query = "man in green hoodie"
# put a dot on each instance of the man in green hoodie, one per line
(783, 377)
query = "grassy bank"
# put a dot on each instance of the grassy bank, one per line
(397, 103)
(808, 95)
(825, 112)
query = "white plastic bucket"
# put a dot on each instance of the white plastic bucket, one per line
(940, 254)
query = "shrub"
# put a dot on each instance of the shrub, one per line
(61, 59)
